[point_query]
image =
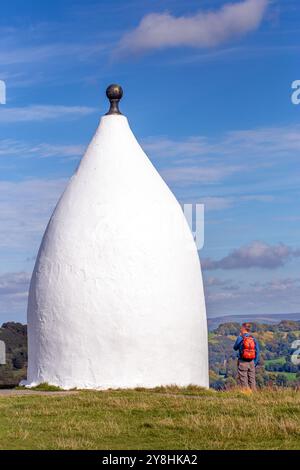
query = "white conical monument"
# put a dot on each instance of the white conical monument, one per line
(116, 297)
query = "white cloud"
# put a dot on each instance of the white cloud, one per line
(217, 282)
(15, 54)
(268, 142)
(167, 147)
(270, 296)
(217, 203)
(12, 284)
(272, 141)
(31, 55)
(255, 255)
(25, 208)
(42, 113)
(192, 174)
(15, 148)
(202, 30)
(251, 152)
(13, 295)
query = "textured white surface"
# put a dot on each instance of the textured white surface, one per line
(116, 296)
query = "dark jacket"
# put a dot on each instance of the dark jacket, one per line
(238, 346)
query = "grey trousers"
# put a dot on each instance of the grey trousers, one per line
(246, 374)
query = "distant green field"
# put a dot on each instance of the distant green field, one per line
(212, 338)
(279, 360)
(291, 376)
(165, 418)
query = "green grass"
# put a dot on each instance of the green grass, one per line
(279, 360)
(212, 338)
(44, 387)
(291, 376)
(163, 418)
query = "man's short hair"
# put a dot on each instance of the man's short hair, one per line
(247, 326)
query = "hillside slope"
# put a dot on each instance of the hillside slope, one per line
(276, 367)
(14, 336)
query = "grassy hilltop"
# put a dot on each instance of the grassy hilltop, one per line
(169, 418)
(163, 418)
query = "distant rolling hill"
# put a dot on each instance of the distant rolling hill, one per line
(275, 334)
(259, 318)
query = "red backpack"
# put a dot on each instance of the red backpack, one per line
(248, 348)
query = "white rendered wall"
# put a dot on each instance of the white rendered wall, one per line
(116, 296)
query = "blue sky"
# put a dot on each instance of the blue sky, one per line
(207, 90)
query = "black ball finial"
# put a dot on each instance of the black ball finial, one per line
(114, 93)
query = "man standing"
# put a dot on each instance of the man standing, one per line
(248, 357)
